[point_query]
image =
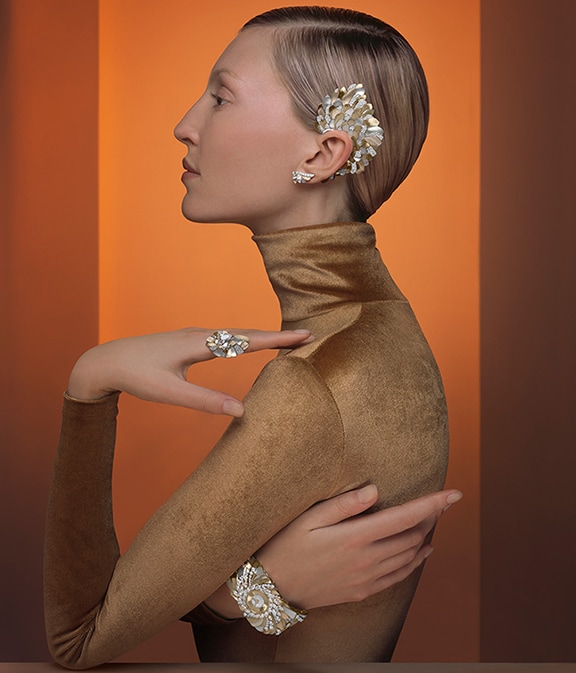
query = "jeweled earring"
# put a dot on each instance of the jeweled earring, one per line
(300, 178)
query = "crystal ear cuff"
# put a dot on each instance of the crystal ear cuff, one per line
(348, 110)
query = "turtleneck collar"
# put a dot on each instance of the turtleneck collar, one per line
(316, 269)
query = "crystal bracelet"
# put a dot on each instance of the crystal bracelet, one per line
(259, 599)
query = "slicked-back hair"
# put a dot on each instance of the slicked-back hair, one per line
(320, 49)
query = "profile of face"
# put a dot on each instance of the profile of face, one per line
(243, 141)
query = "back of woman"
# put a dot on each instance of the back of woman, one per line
(363, 403)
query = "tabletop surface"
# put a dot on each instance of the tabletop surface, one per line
(44, 667)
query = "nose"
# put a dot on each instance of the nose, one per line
(186, 131)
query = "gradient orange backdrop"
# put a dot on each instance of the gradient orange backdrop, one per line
(90, 155)
(160, 272)
(94, 88)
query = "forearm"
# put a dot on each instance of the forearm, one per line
(81, 546)
(221, 606)
(99, 605)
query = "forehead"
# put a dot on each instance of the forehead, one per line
(249, 58)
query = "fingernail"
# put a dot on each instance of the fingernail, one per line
(301, 331)
(367, 494)
(233, 408)
(451, 499)
(428, 552)
(454, 497)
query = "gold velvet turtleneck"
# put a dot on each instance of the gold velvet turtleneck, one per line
(316, 269)
(361, 404)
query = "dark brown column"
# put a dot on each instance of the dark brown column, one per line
(48, 260)
(528, 273)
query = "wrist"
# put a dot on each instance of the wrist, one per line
(281, 570)
(260, 601)
(85, 381)
(222, 604)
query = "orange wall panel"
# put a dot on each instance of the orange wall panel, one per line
(48, 265)
(160, 272)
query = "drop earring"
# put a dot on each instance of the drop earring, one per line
(300, 178)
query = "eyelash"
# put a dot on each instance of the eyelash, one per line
(219, 101)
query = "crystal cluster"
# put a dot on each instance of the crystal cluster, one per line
(226, 345)
(260, 601)
(348, 110)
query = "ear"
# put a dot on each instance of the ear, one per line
(333, 149)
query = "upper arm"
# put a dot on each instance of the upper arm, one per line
(271, 465)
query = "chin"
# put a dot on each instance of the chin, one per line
(194, 215)
(217, 217)
(204, 218)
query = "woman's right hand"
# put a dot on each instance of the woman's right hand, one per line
(325, 557)
(154, 367)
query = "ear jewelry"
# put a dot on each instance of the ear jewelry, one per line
(348, 110)
(299, 177)
(225, 345)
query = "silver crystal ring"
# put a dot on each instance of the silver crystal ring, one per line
(225, 345)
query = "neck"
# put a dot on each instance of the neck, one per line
(309, 205)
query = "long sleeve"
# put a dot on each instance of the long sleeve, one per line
(99, 605)
(81, 547)
(362, 403)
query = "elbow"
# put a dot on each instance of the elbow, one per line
(70, 660)
(73, 650)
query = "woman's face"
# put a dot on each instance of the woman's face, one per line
(243, 141)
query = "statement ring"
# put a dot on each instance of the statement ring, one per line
(225, 345)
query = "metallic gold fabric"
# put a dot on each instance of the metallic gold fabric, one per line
(362, 403)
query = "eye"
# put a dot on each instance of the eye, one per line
(218, 100)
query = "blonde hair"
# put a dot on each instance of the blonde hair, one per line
(319, 49)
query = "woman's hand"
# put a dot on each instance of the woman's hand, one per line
(324, 557)
(153, 368)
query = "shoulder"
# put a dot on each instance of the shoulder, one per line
(290, 384)
(291, 426)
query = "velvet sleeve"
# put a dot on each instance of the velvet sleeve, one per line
(269, 466)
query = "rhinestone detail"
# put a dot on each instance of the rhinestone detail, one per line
(259, 600)
(225, 345)
(348, 110)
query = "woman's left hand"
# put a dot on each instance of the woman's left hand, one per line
(329, 555)
(153, 368)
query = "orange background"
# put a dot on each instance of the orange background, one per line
(93, 247)
(96, 248)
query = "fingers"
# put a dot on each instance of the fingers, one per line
(210, 401)
(403, 570)
(340, 507)
(260, 340)
(394, 520)
(381, 524)
(195, 348)
(178, 392)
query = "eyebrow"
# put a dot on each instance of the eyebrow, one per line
(223, 71)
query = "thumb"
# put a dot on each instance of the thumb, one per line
(343, 506)
(181, 393)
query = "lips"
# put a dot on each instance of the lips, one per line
(189, 168)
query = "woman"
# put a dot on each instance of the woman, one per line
(311, 119)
